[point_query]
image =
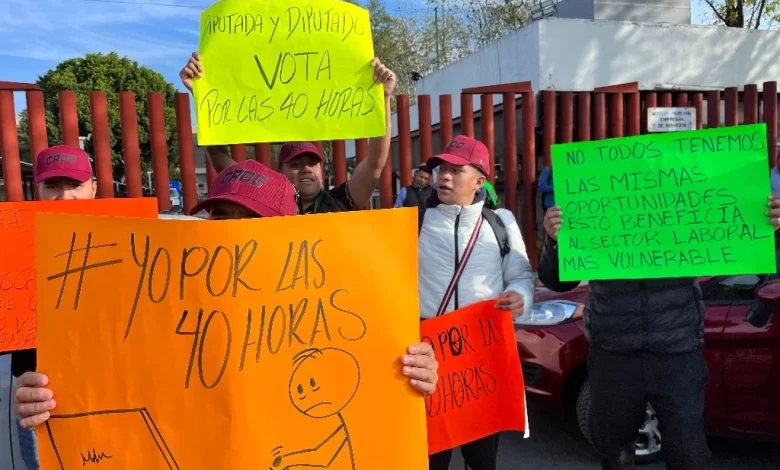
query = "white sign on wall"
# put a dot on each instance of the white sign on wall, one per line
(671, 119)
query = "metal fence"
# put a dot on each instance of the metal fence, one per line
(566, 116)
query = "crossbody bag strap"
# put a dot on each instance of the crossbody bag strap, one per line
(460, 267)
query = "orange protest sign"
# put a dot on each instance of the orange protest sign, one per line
(17, 258)
(266, 343)
(480, 390)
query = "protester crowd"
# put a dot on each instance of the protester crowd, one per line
(646, 335)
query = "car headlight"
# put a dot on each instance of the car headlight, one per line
(550, 312)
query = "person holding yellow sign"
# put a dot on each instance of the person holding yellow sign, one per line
(302, 162)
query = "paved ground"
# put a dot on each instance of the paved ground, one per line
(557, 444)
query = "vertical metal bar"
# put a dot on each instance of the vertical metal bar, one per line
(750, 106)
(466, 115)
(732, 106)
(529, 177)
(426, 132)
(616, 115)
(12, 168)
(666, 99)
(770, 118)
(386, 184)
(101, 144)
(159, 146)
(682, 100)
(339, 162)
(404, 140)
(445, 120)
(713, 108)
(510, 153)
(36, 120)
(697, 102)
(548, 124)
(69, 118)
(633, 114)
(599, 116)
(583, 117)
(651, 101)
(189, 185)
(361, 150)
(263, 154)
(130, 148)
(566, 126)
(488, 131)
(238, 152)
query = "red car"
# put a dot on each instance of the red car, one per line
(741, 347)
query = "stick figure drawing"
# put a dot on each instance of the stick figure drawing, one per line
(322, 384)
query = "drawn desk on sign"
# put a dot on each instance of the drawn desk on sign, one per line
(204, 321)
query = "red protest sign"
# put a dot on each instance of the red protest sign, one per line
(480, 390)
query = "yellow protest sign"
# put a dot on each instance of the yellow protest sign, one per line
(271, 343)
(281, 71)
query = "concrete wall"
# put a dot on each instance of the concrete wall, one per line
(648, 11)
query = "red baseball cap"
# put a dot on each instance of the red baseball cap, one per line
(63, 161)
(463, 151)
(254, 186)
(291, 150)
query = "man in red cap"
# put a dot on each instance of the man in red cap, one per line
(302, 162)
(488, 254)
(245, 190)
(64, 172)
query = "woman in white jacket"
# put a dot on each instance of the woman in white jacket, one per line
(455, 230)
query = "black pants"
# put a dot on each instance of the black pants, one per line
(479, 455)
(620, 387)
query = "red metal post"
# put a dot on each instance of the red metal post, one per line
(404, 140)
(189, 185)
(697, 102)
(510, 153)
(339, 162)
(529, 177)
(548, 125)
(361, 150)
(69, 118)
(651, 101)
(732, 110)
(211, 174)
(426, 132)
(36, 117)
(583, 117)
(319, 146)
(616, 115)
(750, 106)
(238, 152)
(130, 148)
(263, 154)
(666, 99)
(467, 115)
(488, 132)
(770, 118)
(159, 150)
(713, 108)
(682, 100)
(599, 116)
(12, 168)
(386, 185)
(445, 120)
(101, 144)
(566, 125)
(633, 114)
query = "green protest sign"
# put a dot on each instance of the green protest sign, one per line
(665, 205)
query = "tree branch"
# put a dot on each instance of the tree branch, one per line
(715, 10)
(761, 6)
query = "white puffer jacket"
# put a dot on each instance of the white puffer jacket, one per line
(485, 276)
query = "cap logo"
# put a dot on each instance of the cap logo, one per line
(63, 158)
(245, 177)
(455, 144)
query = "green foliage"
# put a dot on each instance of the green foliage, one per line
(752, 14)
(111, 74)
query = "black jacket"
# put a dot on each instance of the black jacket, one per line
(417, 197)
(646, 315)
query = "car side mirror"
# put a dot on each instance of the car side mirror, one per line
(769, 294)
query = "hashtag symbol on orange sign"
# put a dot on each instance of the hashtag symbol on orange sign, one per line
(80, 270)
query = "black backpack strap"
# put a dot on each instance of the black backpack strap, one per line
(499, 229)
